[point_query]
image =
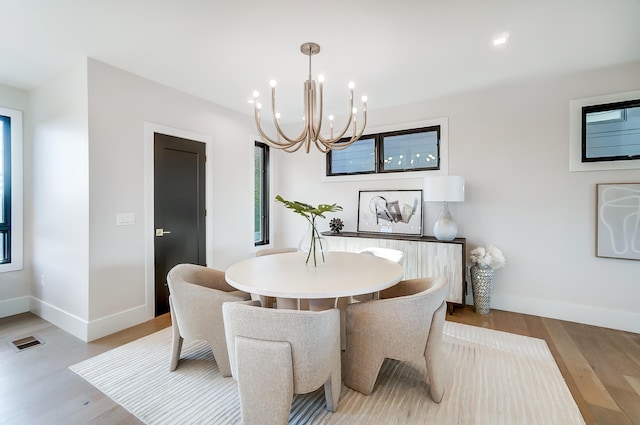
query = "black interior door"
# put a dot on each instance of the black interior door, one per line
(179, 209)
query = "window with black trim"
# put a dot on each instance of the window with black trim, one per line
(5, 189)
(611, 132)
(261, 194)
(416, 149)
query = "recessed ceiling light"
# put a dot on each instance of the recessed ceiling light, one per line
(501, 40)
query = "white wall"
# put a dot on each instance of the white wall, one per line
(58, 165)
(86, 160)
(511, 143)
(14, 286)
(119, 106)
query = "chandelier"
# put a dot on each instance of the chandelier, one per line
(311, 133)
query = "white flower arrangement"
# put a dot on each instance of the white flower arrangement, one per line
(487, 256)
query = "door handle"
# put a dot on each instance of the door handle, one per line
(161, 232)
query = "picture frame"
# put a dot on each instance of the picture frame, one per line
(618, 220)
(390, 211)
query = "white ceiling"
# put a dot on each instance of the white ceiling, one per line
(397, 52)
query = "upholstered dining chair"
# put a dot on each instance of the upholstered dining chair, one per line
(405, 324)
(264, 300)
(275, 354)
(391, 254)
(271, 251)
(394, 255)
(196, 294)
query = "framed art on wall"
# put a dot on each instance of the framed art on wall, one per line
(618, 220)
(390, 211)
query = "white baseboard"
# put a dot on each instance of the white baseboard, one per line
(88, 331)
(14, 306)
(116, 322)
(62, 319)
(589, 315)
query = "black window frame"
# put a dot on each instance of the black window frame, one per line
(5, 225)
(635, 103)
(379, 152)
(264, 206)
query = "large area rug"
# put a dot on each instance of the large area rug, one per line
(493, 378)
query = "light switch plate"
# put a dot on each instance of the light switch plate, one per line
(125, 219)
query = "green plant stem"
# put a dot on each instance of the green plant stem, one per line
(314, 235)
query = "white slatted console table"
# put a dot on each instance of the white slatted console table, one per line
(424, 256)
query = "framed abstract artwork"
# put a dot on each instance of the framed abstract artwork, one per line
(618, 220)
(390, 211)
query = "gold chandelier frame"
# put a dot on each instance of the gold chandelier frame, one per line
(313, 116)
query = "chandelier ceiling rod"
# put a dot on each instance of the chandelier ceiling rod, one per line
(313, 111)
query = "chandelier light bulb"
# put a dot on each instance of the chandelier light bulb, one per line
(259, 105)
(352, 85)
(321, 78)
(331, 117)
(354, 111)
(364, 99)
(256, 94)
(272, 83)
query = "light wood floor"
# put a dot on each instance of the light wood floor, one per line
(601, 368)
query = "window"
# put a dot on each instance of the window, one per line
(10, 190)
(261, 194)
(5, 189)
(415, 149)
(603, 111)
(611, 132)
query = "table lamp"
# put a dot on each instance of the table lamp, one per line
(444, 189)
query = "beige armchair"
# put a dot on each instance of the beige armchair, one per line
(394, 255)
(390, 254)
(405, 324)
(271, 251)
(275, 354)
(196, 294)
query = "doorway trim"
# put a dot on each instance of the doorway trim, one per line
(149, 269)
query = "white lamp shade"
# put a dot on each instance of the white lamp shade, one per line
(444, 188)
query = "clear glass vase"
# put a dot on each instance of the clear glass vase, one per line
(314, 244)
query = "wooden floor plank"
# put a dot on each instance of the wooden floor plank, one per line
(604, 416)
(590, 386)
(634, 382)
(611, 361)
(537, 329)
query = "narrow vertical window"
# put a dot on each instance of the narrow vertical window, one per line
(5, 189)
(261, 194)
(11, 221)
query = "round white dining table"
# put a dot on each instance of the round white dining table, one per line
(287, 277)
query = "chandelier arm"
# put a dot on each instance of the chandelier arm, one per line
(322, 148)
(292, 148)
(332, 140)
(269, 141)
(338, 146)
(276, 122)
(346, 127)
(317, 127)
(309, 109)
